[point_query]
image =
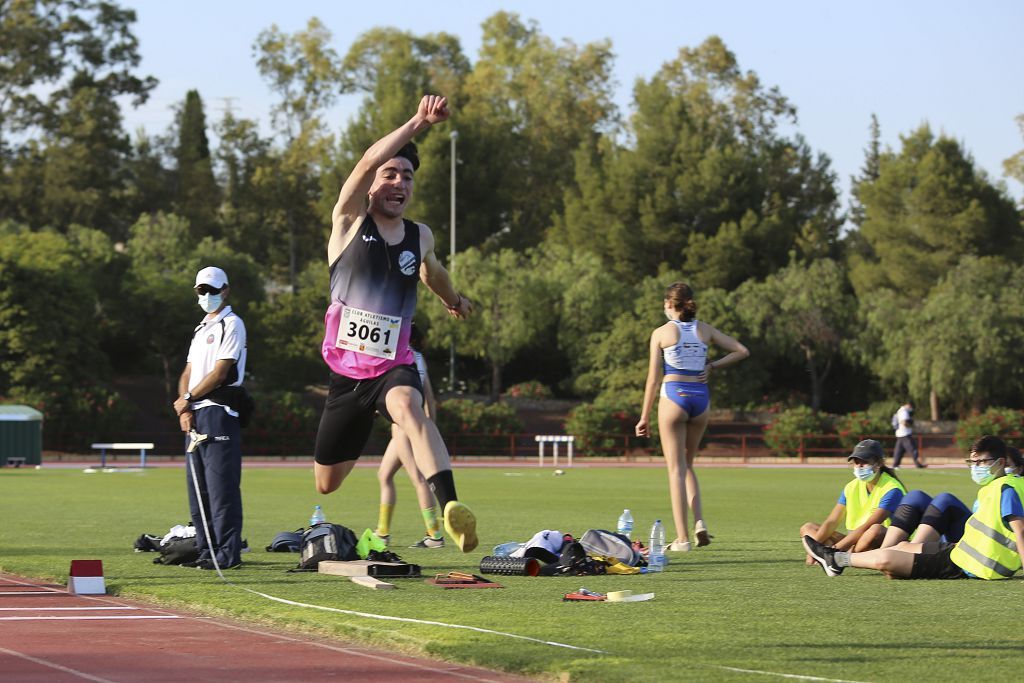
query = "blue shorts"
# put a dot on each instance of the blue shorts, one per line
(693, 397)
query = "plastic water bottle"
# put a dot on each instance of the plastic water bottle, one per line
(625, 526)
(317, 517)
(506, 549)
(656, 558)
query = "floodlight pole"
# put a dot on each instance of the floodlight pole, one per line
(453, 136)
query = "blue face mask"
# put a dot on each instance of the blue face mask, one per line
(982, 474)
(864, 473)
(210, 302)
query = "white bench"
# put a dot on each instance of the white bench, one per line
(140, 447)
(554, 440)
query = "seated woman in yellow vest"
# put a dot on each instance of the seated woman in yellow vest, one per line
(992, 546)
(868, 502)
(941, 518)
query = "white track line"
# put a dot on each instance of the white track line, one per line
(7, 593)
(52, 609)
(92, 618)
(54, 665)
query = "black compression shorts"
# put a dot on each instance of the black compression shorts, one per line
(349, 409)
(934, 563)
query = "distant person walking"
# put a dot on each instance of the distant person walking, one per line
(215, 365)
(678, 362)
(903, 423)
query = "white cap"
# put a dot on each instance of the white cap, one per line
(212, 276)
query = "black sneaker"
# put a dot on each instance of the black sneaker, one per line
(192, 564)
(823, 555)
(429, 542)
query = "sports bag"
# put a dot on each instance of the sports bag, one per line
(601, 543)
(286, 542)
(178, 550)
(326, 541)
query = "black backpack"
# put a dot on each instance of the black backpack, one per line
(326, 541)
(178, 550)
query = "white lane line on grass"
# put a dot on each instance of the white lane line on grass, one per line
(54, 665)
(97, 617)
(781, 675)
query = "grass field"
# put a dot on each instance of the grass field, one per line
(747, 602)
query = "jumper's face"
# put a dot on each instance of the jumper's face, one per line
(391, 191)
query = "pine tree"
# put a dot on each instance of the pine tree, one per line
(197, 195)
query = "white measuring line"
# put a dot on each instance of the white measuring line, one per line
(410, 620)
(365, 615)
(5, 593)
(781, 675)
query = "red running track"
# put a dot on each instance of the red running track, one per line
(47, 634)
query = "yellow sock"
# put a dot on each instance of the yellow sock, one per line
(430, 521)
(384, 521)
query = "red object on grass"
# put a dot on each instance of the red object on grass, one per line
(86, 568)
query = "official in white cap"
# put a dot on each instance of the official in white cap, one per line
(212, 402)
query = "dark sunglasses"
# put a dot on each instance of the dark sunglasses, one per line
(207, 289)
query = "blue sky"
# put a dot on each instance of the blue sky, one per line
(955, 65)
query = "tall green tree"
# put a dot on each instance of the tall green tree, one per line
(47, 315)
(67, 63)
(246, 161)
(530, 102)
(707, 179)
(198, 195)
(968, 337)
(303, 70)
(927, 208)
(805, 311)
(512, 305)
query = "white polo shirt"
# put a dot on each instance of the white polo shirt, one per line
(903, 415)
(220, 338)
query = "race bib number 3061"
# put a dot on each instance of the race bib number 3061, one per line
(373, 334)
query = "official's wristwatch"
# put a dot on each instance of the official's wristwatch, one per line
(187, 396)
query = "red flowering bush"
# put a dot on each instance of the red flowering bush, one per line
(603, 426)
(1005, 423)
(785, 433)
(531, 389)
(871, 423)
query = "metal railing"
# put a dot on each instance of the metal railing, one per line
(742, 447)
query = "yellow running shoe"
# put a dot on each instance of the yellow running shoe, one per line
(460, 523)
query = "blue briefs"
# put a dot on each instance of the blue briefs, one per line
(693, 397)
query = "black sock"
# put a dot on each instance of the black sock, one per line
(443, 486)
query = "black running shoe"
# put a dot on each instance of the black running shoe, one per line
(823, 555)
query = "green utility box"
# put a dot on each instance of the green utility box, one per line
(21, 436)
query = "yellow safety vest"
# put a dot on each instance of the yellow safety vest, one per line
(860, 503)
(988, 549)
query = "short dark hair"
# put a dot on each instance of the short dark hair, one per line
(1015, 457)
(992, 445)
(410, 152)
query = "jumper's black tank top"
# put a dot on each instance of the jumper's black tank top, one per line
(376, 280)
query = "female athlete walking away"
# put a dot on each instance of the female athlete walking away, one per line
(678, 361)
